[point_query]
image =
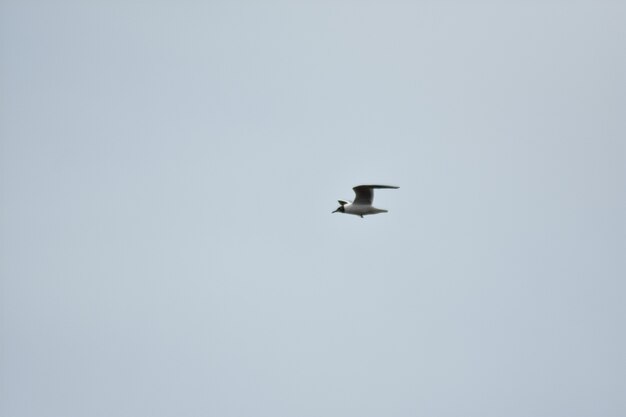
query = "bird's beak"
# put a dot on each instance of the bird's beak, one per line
(335, 211)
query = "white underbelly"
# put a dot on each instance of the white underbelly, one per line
(362, 210)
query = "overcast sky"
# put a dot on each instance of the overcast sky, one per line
(168, 172)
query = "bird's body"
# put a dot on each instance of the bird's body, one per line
(361, 209)
(362, 204)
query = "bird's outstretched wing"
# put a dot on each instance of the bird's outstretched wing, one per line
(364, 194)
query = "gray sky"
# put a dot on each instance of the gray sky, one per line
(167, 173)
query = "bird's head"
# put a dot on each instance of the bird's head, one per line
(341, 208)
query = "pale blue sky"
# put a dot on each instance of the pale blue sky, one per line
(167, 173)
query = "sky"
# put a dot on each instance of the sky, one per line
(167, 176)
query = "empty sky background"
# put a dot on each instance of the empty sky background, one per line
(168, 172)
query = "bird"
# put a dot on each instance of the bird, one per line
(362, 204)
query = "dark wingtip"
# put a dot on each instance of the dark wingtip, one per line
(375, 186)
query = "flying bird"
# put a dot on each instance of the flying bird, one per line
(362, 204)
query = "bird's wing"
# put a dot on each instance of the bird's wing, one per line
(365, 193)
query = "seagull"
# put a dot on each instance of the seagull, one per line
(362, 204)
